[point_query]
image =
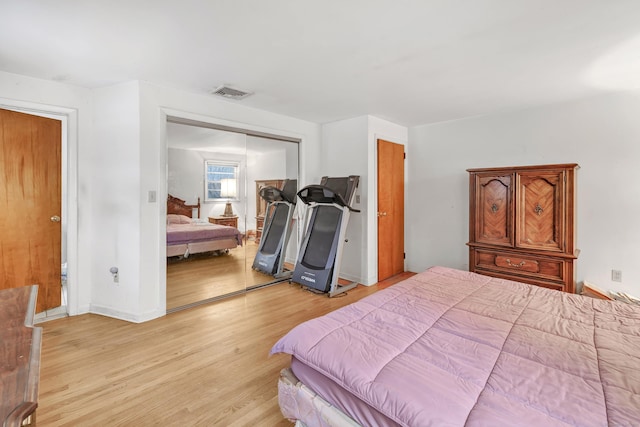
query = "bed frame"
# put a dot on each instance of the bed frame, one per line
(309, 404)
(179, 207)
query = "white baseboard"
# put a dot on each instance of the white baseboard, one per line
(54, 313)
(351, 278)
(122, 315)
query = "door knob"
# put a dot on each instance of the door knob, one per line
(55, 218)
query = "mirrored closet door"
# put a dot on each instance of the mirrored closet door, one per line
(270, 163)
(215, 215)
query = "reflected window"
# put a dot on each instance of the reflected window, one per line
(221, 180)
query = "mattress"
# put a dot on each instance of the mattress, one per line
(199, 232)
(449, 347)
(339, 397)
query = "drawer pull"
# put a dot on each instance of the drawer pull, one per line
(520, 264)
(494, 208)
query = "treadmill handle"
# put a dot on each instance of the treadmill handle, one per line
(343, 203)
(326, 192)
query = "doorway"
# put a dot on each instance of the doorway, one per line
(201, 163)
(390, 209)
(33, 195)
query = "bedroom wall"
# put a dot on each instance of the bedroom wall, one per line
(261, 166)
(186, 180)
(40, 96)
(349, 148)
(344, 145)
(116, 179)
(600, 133)
(185, 176)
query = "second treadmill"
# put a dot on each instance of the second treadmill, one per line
(271, 253)
(329, 207)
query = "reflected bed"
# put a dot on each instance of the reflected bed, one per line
(186, 235)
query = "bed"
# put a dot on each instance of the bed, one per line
(186, 235)
(454, 348)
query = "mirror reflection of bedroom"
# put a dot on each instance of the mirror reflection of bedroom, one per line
(215, 214)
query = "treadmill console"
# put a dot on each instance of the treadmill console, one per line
(287, 194)
(339, 191)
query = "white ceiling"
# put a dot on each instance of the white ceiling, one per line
(409, 61)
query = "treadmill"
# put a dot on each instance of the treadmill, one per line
(329, 207)
(271, 253)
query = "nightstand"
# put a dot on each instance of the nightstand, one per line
(231, 221)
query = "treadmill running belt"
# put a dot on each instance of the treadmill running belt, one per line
(276, 229)
(325, 229)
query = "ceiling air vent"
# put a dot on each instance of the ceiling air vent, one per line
(231, 93)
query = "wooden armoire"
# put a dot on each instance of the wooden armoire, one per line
(522, 224)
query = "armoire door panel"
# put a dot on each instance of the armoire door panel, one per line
(494, 210)
(540, 218)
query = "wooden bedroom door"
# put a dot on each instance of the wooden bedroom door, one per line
(30, 202)
(390, 209)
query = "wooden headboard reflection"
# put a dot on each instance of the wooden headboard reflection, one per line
(179, 207)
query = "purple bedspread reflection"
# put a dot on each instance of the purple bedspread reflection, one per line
(190, 233)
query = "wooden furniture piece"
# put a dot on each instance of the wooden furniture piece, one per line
(521, 224)
(592, 291)
(261, 204)
(259, 227)
(180, 207)
(230, 221)
(20, 358)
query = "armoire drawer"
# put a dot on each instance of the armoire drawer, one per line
(510, 263)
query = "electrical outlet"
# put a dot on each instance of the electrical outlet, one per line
(616, 275)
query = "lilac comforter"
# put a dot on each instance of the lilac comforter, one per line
(453, 348)
(198, 232)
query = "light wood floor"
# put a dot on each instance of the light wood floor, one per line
(206, 366)
(204, 276)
